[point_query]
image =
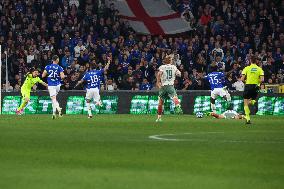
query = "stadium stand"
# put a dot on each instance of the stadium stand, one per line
(222, 33)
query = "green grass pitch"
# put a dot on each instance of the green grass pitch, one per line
(134, 152)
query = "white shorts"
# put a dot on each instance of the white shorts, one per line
(220, 92)
(53, 90)
(93, 93)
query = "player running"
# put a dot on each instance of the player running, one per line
(54, 74)
(165, 82)
(93, 82)
(31, 79)
(218, 88)
(253, 76)
(229, 114)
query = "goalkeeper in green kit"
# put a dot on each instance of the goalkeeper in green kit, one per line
(31, 79)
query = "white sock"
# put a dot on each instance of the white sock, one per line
(57, 106)
(89, 108)
(54, 106)
(213, 108)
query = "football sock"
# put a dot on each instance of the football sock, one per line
(54, 106)
(89, 108)
(57, 106)
(160, 109)
(24, 103)
(247, 112)
(176, 102)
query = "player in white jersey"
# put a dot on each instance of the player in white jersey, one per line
(165, 82)
(229, 114)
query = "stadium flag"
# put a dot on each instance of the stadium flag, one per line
(109, 105)
(266, 105)
(75, 105)
(44, 105)
(279, 106)
(32, 105)
(139, 104)
(152, 17)
(10, 104)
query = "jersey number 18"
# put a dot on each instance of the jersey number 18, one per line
(94, 79)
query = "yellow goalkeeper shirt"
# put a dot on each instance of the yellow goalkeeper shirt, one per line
(253, 73)
(30, 82)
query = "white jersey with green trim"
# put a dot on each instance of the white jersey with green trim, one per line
(230, 114)
(169, 73)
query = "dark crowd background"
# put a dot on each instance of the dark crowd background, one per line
(84, 33)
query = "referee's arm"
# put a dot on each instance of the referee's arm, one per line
(261, 76)
(261, 79)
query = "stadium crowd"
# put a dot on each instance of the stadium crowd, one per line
(84, 33)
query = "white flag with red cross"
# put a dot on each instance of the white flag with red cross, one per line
(153, 17)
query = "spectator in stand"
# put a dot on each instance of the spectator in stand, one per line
(145, 86)
(239, 85)
(110, 85)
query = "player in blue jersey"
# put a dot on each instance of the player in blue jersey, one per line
(54, 74)
(93, 81)
(218, 88)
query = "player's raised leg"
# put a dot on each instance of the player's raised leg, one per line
(25, 101)
(176, 101)
(97, 97)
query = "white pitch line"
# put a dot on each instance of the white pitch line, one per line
(162, 137)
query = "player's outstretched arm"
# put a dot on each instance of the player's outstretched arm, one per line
(178, 73)
(108, 63)
(79, 83)
(44, 84)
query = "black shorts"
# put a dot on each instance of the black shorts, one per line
(251, 91)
